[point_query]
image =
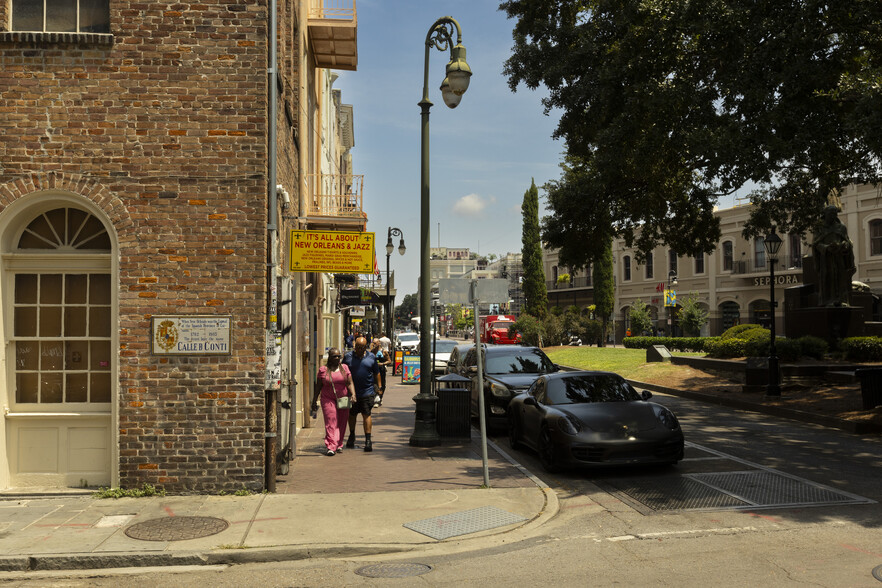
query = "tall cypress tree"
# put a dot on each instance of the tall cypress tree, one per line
(534, 275)
(604, 288)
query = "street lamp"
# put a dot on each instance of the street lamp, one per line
(455, 84)
(772, 244)
(672, 303)
(389, 249)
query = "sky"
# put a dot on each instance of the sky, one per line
(483, 154)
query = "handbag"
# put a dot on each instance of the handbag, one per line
(344, 403)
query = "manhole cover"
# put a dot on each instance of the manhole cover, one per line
(399, 570)
(877, 573)
(176, 528)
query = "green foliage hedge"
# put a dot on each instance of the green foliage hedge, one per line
(862, 348)
(672, 343)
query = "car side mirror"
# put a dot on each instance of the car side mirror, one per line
(531, 401)
(646, 394)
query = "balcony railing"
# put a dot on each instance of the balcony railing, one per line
(750, 266)
(335, 195)
(577, 282)
(333, 32)
(344, 9)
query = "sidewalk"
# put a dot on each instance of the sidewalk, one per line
(353, 503)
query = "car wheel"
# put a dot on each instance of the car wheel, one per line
(514, 432)
(546, 452)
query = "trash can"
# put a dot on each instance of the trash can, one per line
(871, 386)
(454, 399)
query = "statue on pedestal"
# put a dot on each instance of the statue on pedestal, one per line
(833, 254)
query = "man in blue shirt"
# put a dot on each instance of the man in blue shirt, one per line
(366, 379)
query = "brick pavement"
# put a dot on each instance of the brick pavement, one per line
(393, 465)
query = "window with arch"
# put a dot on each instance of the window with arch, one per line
(61, 309)
(626, 265)
(649, 272)
(876, 237)
(759, 253)
(728, 256)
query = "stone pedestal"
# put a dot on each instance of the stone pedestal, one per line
(827, 322)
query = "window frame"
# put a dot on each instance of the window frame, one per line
(102, 27)
(626, 268)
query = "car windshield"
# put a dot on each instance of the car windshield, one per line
(587, 389)
(445, 346)
(519, 361)
(408, 337)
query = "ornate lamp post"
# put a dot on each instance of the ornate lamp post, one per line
(389, 249)
(772, 244)
(456, 83)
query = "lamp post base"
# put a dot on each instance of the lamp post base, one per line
(425, 434)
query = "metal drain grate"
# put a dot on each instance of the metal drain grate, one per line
(769, 489)
(465, 522)
(727, 490)
(176, 528)
(673, 493)
(401, 570)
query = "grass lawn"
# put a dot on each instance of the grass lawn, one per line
(629, 363)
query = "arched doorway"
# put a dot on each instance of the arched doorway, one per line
(730, 315)
(59, 303)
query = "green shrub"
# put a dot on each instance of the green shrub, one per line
(672, 343)
(788, 349)
(725, 348)
(145, 490)
(813, 346)
(862, 348)
(734, 332)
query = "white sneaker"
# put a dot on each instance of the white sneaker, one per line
(377, 401)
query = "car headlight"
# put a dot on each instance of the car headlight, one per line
(500, 391)
(667, 418)
(569, 424)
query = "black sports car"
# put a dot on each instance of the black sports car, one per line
(592, 418)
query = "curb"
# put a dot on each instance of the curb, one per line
(777, 411)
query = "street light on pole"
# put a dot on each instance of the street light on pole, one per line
(455, 84)
(772, 244)
(389, 249)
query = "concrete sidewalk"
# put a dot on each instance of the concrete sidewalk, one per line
(353, 503)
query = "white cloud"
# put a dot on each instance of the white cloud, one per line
(472, 205)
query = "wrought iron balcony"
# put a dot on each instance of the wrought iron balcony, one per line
(333, 33)
(577, 282)
(761, 265)
(335, 199)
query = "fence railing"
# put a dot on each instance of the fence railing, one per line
(332, 9)
(335, 195)
(750, 266)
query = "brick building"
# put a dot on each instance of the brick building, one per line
(143, 176)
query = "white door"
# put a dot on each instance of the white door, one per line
(58, 321)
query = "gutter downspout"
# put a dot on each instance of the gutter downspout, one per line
(272, 239)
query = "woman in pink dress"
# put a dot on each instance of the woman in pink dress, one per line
(333, 381)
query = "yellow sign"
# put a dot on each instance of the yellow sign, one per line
(332, 251)
(670, 298)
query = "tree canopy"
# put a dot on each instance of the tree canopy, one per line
(668, 105)
(531, 255)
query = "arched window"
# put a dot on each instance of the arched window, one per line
(627, 268)
(759, 253)
(876, 237)
(728, 256)
(649, 271)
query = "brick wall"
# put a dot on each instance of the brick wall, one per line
(168, 125)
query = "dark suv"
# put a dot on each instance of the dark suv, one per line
(508, 370)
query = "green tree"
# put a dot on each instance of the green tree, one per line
(639, 317)
(531, 253)
(693, 315)
(531, 329)
(408, 308)
(604, 289)
(671, 105)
